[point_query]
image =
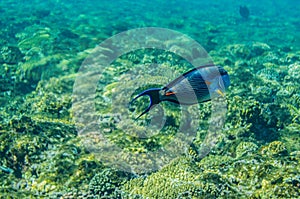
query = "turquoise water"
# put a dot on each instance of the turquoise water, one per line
(53, 144)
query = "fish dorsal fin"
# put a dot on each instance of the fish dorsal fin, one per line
(183, 76)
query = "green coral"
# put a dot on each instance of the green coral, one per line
(172, 182)
(52, 98)
(250, 160)
(106, 184)
(246, 148)
(40, 147)
(215, 176)
(275, 148)
(10, 55)
(181, 178)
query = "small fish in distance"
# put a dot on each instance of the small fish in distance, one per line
(197, 85)
(244, 12)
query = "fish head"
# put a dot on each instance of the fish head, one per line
(224, 81)
(219, 84)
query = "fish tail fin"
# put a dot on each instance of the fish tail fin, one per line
(153, 93)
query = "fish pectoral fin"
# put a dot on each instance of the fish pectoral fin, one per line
(170, 93)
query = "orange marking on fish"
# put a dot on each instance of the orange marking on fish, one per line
(170, 93)
(208, 83)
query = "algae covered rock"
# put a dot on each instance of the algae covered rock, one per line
(10, 55)
(245, 148)
(275, 148)
(294, 72)
(249, 50)
(290, 137)
(52, 98)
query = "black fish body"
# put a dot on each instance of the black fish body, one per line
(197, 85)
(244, 12)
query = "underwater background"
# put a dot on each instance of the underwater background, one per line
(43, 45)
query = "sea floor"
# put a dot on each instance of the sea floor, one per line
(45, 46)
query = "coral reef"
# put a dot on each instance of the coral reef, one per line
(39, 148)
(107, 184)
(218, 177)
(42, 155)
